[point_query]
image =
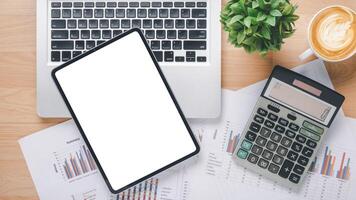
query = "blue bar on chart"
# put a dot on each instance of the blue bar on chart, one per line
(78, 163)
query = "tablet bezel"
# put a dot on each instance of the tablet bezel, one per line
(197, 148)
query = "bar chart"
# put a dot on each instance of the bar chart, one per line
(329, 164)
(74, 162)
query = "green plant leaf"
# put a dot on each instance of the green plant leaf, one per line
(275, 4)
(254, 4)
(261, 4)
(287, 9)
(271, 20)
(240, 37)
(261, 16)
(249, 40)
(275, 13)
(235, 7)
(265, 33)
(247, 21)
(252, 12)
(235, 19)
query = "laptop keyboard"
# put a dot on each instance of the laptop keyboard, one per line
(176, 31)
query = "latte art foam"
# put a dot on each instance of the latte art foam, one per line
(333, 33)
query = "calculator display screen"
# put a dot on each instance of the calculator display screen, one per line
(299, 100)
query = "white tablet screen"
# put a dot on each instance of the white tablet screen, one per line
(125, 111)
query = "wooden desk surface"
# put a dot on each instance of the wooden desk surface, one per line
(18, 116)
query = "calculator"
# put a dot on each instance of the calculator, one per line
(287, 126)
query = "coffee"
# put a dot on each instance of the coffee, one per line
(332, 33)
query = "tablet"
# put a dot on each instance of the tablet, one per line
(125, 111)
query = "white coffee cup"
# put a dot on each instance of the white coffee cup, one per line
(330, 29)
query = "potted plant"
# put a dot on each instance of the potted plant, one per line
(258, 25)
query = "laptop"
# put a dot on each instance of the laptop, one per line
(184, 36)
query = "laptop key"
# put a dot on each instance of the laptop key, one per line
(145, 4)
(95, 34)
(111, 4)
(179, 59)
(56, 4)
(90, 44)
(168, 56)
(62, 44)
(67, 4)
(66, 55)
(116, 32)
(185, 13)
(82, 23)
(134, 4)
(201, 4)
(158, 55)
(197, 34)
(109, 13)
(174, 13)
(55, 13)
(85, 34)
(158, 23)
(142, 13)
(177, 45)
(150, 34)
(120, 13)
(201, 58)
(198, 13)
(147, 23)
(131, 13)
(122, 4)
(106, 34)
(55, 56)
(168, 23)
(171, 34)
(189, 4)
(155, 45)
(114, 23)
(180, 23)
(167, 4)
(77, 13)
(163, 13)
(194, 45)
(93, 23)
(98, 13)
(160, 34)
(59, 34)
(179, 4)
(56, 24)
(88, 13)
(79, 44)
(125, 23)
(74, 34)
(136, 23)
(104, 23)
(152, 13)
(89, 4)
(166, 45)
(76, 53)
(156, 4)
(201, 23)
(100, 4)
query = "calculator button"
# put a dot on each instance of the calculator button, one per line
(246, 145)
(291, 117)
(263, 163)
(255, 127)
(290, 134)
(269, 124)
(279, 129)
(276, 137)
(307, 152)
(313, 127)
(265, 132)
(286, 169)
(267, 154)
(262, 112)
(273, 168)
(256, 150)
(294, 127)
(281, 151)
(261, 141)
(283, 122)
(250, 136)
(297, 146)
(271, 146)
(252, 159)
(311, 144)
(272, 117)
(292, 155)
(309, 134)
(242, 154)
(301, 139)
(286, 142)
(277, 159)
(303, 160)
(298, 169)
(294, 178)
(273, 108)
(258, 119)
